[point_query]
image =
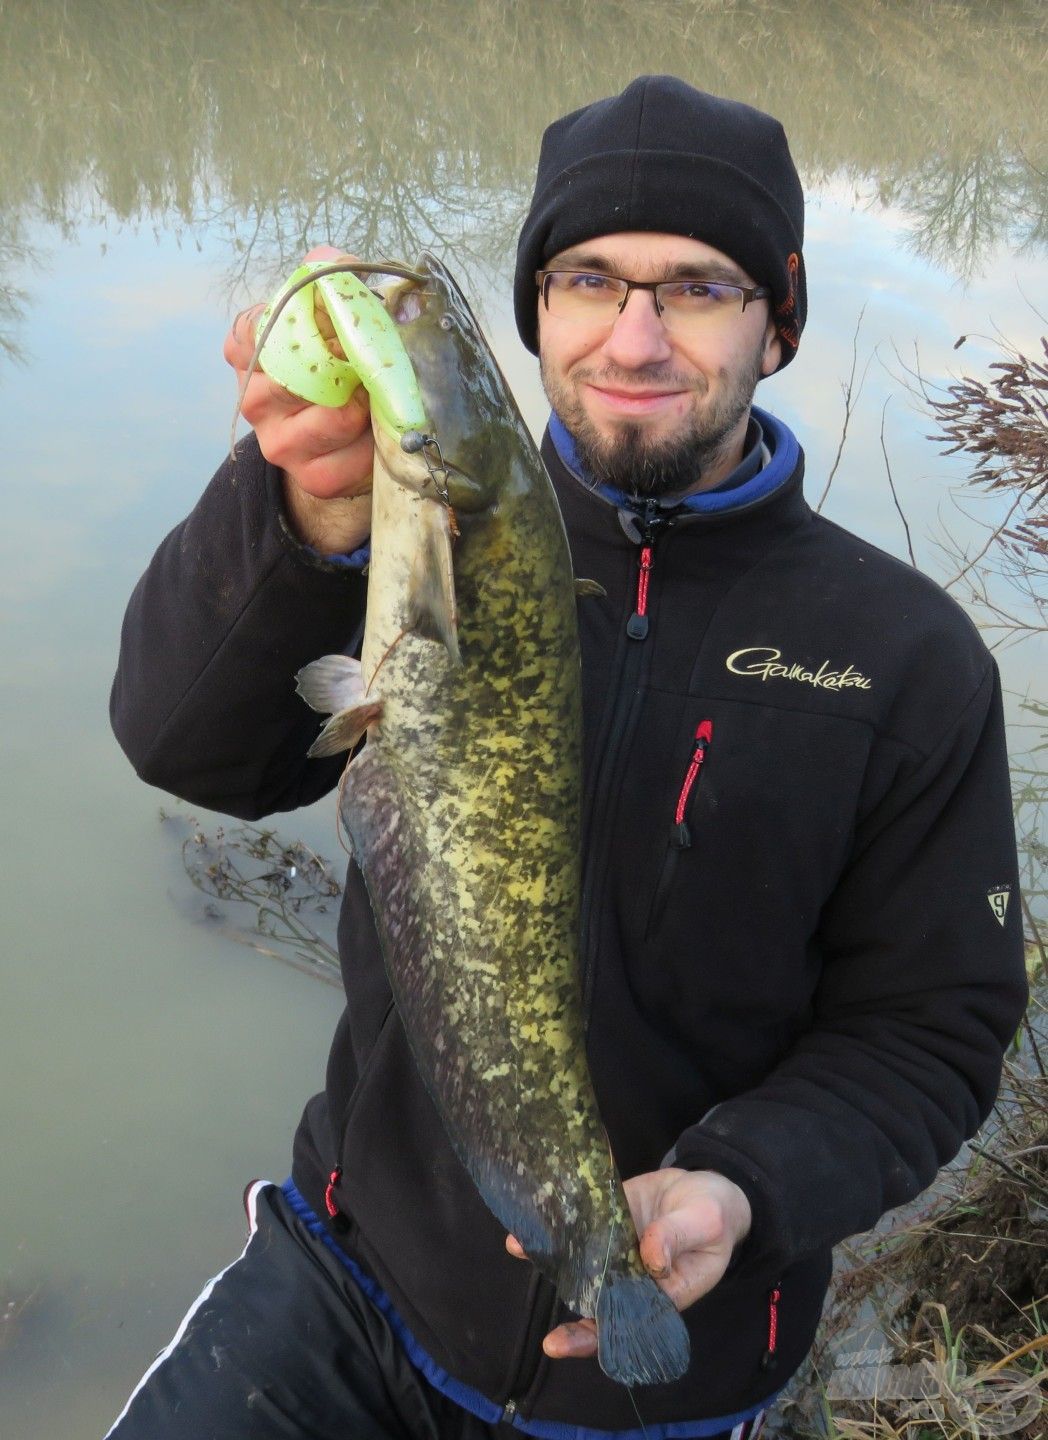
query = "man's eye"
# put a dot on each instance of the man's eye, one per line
(699, 294)
(589, 282)
(696, 290)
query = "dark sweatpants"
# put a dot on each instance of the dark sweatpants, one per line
(284, 1345)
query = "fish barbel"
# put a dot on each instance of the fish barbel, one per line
(463, 807)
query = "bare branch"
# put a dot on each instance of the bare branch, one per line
(994, 535)
(891, 484)
(851, 399)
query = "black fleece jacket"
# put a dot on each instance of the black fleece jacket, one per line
(801, 950)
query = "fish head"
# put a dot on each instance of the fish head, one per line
(471, 412)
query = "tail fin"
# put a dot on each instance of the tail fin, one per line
(641, 1338)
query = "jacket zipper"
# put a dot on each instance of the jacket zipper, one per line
(680, 835)
(637, 625)
(654, 520)
(542, 1299)
(626, 705)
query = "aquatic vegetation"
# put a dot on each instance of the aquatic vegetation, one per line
(13, 1305)
(289, 888)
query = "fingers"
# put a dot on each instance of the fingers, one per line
(689, 1274)
(687, 1229)
(329, 252)
(656, 1254)
(574, 1340)
(312, 429)
(326, 452)
(239, 344)
(694, 1220)
(688, 1222)
(320, 314)
(698, 1224)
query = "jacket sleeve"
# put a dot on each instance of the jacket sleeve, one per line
(231, 606)
(921, 991)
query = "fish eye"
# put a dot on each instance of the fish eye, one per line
(446, 322)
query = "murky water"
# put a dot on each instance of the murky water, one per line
(162, 165)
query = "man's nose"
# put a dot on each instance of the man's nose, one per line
(638, 336)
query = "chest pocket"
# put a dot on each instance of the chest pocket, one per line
(680, 835)
(748, 816)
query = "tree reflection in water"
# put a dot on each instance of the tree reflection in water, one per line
(414, 125)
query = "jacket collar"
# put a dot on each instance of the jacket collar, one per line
(771, 469)
(771, 457)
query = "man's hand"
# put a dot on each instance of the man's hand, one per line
(689, 1222)
(326, 453)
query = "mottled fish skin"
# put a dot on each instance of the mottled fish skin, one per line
(463, 810)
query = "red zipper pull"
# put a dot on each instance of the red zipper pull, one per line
(637, 625)
(774, 1296)
(329, 1191)
(654, 520)
(701, 743)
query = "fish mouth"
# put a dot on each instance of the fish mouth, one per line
(407, 303)
(409, 298)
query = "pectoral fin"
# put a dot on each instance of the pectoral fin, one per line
(466, 494)
(589, 587)
(432, 608)
(334, 682)
(344, 730)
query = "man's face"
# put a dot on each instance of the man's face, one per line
(655, 411)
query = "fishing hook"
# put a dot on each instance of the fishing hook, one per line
(413, 442)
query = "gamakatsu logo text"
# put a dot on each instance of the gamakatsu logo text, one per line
(767, 664)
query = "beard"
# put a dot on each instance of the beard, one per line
(640, 465)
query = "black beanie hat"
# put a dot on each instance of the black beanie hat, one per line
(663, 156)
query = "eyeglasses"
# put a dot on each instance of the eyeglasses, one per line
(597, 299)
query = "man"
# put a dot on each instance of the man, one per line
(796, 810)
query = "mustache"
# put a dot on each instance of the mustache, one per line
(638, 377)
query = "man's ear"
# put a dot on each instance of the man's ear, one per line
(772, 350)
